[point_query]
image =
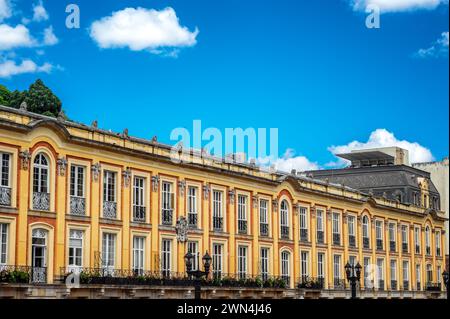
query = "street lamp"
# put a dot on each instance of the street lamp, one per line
(353, 276)
(197, 274)
(445, 276)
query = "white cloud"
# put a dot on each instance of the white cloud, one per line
(39, 12)
(289, 162)
(9, 68)
(15, 37)
(397, 5)
(384, 138)
(439, 48)
(142, 29)
(49, 37)
(5, 10)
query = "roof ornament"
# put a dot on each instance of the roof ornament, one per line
(125, 133)
(23, 106)
(154, 139)
(61, 116)
(94, 124)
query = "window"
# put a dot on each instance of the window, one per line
(138, 199)
(41, 197)
(284, 219)
(319, 226)
(3, 244)
(366, 232)
(351, 231)
(303, 224)
(438, 243)
(242, 214)
(393, 274)
(428, 240)
(217, 260)
(338, 282)
(417, 239)
(192, 207)
(109, 195)
(352, 260)
(75, 249)
(418, 277)
(263, 218)
(242, 262)
(193, 249)
(264, 258)
(380, 273)
(368, 275)
(429, 273)
(379, 234)
(404, 238)
(138, 254)
(336, 229)
(439, 274)
(217, 210)
(77, 181)
(108, 251)
(405, 273)
(167, 203)
(166, 257)
(304, 264)
(5, 167)
(392, 237)
(285, 268)
(321, 266)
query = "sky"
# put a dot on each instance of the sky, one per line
(312, 69)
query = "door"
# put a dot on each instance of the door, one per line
(39, 256)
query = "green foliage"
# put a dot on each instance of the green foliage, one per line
(14, 276)
(5, 95)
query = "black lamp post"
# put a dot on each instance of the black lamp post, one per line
(353, 276)
(445, 276)
(197, 274)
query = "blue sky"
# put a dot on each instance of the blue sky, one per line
(309, 68)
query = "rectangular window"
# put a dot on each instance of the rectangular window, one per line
(368, 277)
(263, 218)
(193, 249)
(352, 260)
(242, 262)
(321, 266)
(379, 234)
(337, 271)
(109, 250)
(192, 207)
(439, 274)
(319, 226)
(5, 167)
(392, 237)
(109, 186)
(405, 274)
(264, 258)
(336, 229)
(404, 238)
(166, 257)
(217, 260)
(3, 244)
(351, 231)
(417, 239)
(138, 254)
(393, 270)
(242, 214)
(380, 273)
(167, 203)
(139, 199)
(77, 181)
(304, 264)
(438, 243)
(303, 224)
(75, 249)
(217, 210)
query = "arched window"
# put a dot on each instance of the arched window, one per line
(41, 197)
(284, 219)
(366, 233)
(427, 240)
(285, 271)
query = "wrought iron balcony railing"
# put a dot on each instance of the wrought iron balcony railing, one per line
(379, 244)
(284, 232)
(336, 239)
(339, 283)
(22, 274)
(306, 282)
(405, 285)
(433, 286)
(242, 226)
(167, 217)
(393, 284)
(139, 213)
(304, 234)
(41, 201)
(405, 248)
(77, 206)
(5, 196)
(217, 223)
(109, 210)
(286, 279)
(320, 237)
(381, 284)
(392, 246)
(352, 241)
(193, 220)
(264, 229)
(418, 286)
(366, 242)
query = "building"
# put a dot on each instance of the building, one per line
(439, 174)
(113, 209)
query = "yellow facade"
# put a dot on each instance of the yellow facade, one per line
(242, 187)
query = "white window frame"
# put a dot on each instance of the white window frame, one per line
(39, 170)
(192, 201)
(242, 209)
(166, 256)
(319, 220)
(366, 227)
(4, 230)
(351, 225)
(139, 191)
(285, 264)
(304, 263)
(192, 247)
(321, 260)
(109, 243)
(242, 261)
(109, 186)
(74, 250)
(337, 267)
(139, 254)
(75, 172)
(217, 258)
(336, 223)
(303, 215)
(7, 171)
(264, 260)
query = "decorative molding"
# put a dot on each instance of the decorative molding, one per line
(231, 196)
(155, 183)
(25, 157)
(312, 211)
(62, 166)
(181, 187)
(95, 169)
(126, 175)
(206, 190)
(255, 201)
(182, 229)
(275, 205)
(297, 209)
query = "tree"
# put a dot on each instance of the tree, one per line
(5, 95)
(40, 99)
(16, 98)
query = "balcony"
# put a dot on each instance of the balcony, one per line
(77, 206)
(5, 196)
(336, 239)
(352, 241)
(139, 214)
(379, 244)
(320, 237)
(193, 220)
(405, 285)
(366, 242)
(418, 286)
(264, 229)
(41, 201)
(110, 210)
(392, 246)
(393, 284)
(405, 248)
(287, 280)
(285, 232)
(433, 286)
(217, 223)
(242, 226)
(304, 234)
(167, 217)
(306, 282)
(22, 274)
(339, 283)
